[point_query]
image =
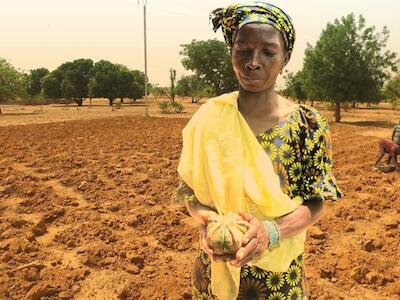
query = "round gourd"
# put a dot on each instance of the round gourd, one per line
(225, 233)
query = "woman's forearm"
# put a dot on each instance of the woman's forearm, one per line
(300, 219)
(198, 210)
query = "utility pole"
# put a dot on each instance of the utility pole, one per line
(144, 2)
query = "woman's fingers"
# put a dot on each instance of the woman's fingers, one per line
(252, 233)
(245, 254)
(241, 263)
(207, 216)
(204, 219)
(245, 216)
(203, 240)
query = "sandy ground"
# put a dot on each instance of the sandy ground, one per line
(35, 114)
(86, 213)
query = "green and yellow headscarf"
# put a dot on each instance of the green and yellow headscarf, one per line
(235, 16)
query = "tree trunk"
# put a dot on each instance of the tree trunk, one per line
(0, 110)
(217, 89)
(90, 105)
(354, 105)
(111, 100)
(78, 101)
(337, 111)
(122, 100)
(312, 103)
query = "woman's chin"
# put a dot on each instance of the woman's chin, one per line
(253, 88)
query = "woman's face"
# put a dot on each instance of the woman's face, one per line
(258, 56)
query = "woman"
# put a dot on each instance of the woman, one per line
(222, 170)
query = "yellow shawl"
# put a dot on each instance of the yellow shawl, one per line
(227, 168)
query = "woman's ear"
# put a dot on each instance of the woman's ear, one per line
(288, 54)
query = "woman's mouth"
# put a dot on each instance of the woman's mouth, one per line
(251, 79)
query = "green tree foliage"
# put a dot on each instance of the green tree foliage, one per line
(193, 86)
(348, 63)
(155, 90)
(211, 62)
(295, 86)
(113, 81)
(74, 84)
(392, 90)
(70, 81)
(35, 77)
(51, 85)
(124, 82)
(13, 83)
(138, 84)
(104, 81)
(130, 84)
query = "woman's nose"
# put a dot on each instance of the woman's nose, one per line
(254, 62)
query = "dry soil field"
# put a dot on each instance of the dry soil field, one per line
(86, 212)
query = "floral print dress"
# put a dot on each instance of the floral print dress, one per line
(301, 151)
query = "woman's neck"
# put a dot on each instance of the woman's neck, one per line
(258, 105)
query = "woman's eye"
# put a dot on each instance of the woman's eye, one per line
(242, 51)
(269, 53)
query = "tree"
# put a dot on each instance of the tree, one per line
(295, 86)
(111, 81)
(104, 80)
(125, 83)
(193, 86)
(70, 81)
(172, 78)
(211, 62)
(51, 84)
(156, 90)
(170, 91)
(348, 63)
(13, 83)
(35, 77)
(139, 82)
(75, 79)
(392, 90)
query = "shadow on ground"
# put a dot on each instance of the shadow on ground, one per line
(380, 124)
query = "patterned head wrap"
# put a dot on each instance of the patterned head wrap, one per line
(236, 16)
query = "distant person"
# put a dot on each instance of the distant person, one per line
(391, 147)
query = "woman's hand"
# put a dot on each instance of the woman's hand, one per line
(255, 241)
(206, 217)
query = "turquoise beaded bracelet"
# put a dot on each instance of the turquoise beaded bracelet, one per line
(273, 233)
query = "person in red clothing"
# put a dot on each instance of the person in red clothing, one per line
(391, 147)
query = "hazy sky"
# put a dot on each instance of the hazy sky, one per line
(46, 33)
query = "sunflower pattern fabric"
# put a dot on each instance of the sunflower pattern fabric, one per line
(236, 16)
(255, 283)
(301, 151)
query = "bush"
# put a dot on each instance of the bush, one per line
(36, 100)
(167, 106)
(177, 106)
(164, 106)
(118, 105)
